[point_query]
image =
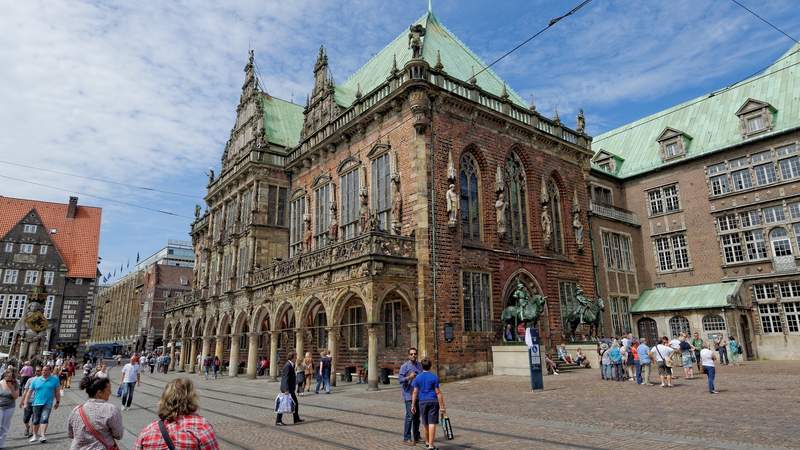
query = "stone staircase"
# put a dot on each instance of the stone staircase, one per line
(565, 366)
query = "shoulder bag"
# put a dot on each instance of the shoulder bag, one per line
(165, 435)
(93, 432)
(667, 361)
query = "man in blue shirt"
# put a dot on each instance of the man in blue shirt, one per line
(644, 363)
(431, 401)
(408, 372)
(42, 391)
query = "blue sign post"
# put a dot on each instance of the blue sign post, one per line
(535, 360)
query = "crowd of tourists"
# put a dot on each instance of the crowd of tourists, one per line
(632, 359)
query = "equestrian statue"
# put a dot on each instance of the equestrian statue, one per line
(584, 312)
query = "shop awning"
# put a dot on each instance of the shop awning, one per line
(703, 296)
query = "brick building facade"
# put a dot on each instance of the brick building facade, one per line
(708, 191)
(397, 208)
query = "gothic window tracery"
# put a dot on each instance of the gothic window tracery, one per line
(554, 200)
(517, 211)
(470, 205)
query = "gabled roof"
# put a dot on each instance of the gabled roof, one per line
(752, 104)
(458, 60)
(283, 121)
(711, 120)
(77, 239)
(670, 133)
(704, 296)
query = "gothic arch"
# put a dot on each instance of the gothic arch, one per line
(307, 307)
(341, 302)
(517, 197)
(197, 328)
(554, 189)
(470, 172)
(210, 328)
(224, 321)
(259, 315)
(284, 308)
(407, 299)
(509, 284)
(239, 323)
(347, 165)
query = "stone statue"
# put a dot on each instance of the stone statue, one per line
(30, 330)
(210, 175)
(197, 210)
(547, 226)
(584, 311)
(308, 235)
(452, 206)
(333, 227)
(363, 212)
(577, 226)
(527, 308)
(415, 40)
(581, 123)
(397, 204)
(500, 210)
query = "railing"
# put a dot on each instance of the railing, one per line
(453, 85)
(614, 213)
(367, 245)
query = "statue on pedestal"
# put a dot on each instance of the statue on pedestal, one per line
(30, 331)
(500, 210)
(452, 206)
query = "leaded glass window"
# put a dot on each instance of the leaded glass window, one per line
(477, 298)
(555, 216)
(381, 190)
(516, 211)
(678, 325)
(470, 205)
(350, 185)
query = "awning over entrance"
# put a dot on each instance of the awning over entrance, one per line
(704, 296)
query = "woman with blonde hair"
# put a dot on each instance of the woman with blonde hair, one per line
(308, 371)
(179, 426)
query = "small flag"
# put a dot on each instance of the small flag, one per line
(137, 257)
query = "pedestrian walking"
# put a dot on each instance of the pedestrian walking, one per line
(70, 371)
(217, 363)
(697, 345)
(130, 379)
(687, 357)
(308, 371)
(300, 375)
(288, 386)
(662, 354)
(9, 392)
(207, 363)
(431, 402)
(707, 358)
(324, 372)
(95, 424)
(643, 374)
(44, 394)
(27, 409)
(408, 372)
(720, 346)
(25, 373)
(178, 425)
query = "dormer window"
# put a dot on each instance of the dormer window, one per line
(605, 161)
(672, 143)
(755, 117)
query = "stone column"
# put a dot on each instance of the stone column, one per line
(252, 354)
(233, 363)
(219, 340)
(206, 347)
(333, 342)
(299, 339)
(182, 359)
(193, 356)
(412, 334)
(372, 357)
(273, 355)
(172, 355)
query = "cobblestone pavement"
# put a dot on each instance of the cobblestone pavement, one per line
(757, 408)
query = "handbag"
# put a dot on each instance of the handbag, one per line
(447, 427)
(120, 390)
(667, 361)
(93, 432)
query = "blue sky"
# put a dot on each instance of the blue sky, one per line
(144, 93)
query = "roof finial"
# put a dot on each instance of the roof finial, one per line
(581, 122)
(358, 90)
(430, 6)
(472, 79)
(439, 65)
(504, 92)
(532, 106)
(394, 63)
(556, 119)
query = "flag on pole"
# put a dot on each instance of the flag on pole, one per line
(115, 272)
(129, 264)
(137, 257)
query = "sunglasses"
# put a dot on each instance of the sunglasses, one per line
(412, 354)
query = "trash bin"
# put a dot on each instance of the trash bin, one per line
(385, 375)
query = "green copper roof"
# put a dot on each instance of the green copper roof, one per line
(283, 121)
(710, 120)
(703, 296)
(458, 60)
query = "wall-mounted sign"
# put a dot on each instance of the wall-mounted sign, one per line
(449, 332)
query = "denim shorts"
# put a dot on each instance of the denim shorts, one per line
(41, 414)
(429, 412)
(27, 414)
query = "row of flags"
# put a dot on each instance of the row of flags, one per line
(122, 269)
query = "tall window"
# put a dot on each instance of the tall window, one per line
(10, 276)
(617, 251)
(664, 199)
(322, 214)
(620, 316)
(756, 247)
(741, 179)
(672, 253)
(790, 167)
(779, 239)
(9, 247)
(477, 297)
(678, 325)
(770, 318)
(43, 249)
(470, 209)
(765, 173)
(349, 185)
(297, 209)
(732, 248)
(246, 206)
(355, 331)
(15, 305)
(49, 275)
(792, 313)
(392, 321)
(31, 276)
(382, 190)
(719, 185)
(555, 216)
(272, 199)
(48, 306)
(713, 322)
(516, 211)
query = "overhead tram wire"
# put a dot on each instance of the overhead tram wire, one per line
(102, 180)
(132, 205)
(744, 81)
(535, 35)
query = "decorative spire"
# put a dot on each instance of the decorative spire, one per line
(580, 122)
(394, 64)
(472, 80)
(499, 182)
(358, 90)
(451, 168)
(439, 65)
(504, 92)
(430, 6)
(532, 106)
(322, 59)
(250, 61)
(556, 119)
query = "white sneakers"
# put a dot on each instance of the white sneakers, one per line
(33, 438)
(43, 439)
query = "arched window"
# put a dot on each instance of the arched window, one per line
(779, 239)
(470, 207)
(713, 322)
(678, 325)
(554, 199)
(517, 210)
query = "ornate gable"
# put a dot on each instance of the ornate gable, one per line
(248, 132)
(755, 117)
(320, 105)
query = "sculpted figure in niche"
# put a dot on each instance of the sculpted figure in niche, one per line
(578, 227)
(452, 206)
(397, 205)
(333, 228)
(308, 235)
(500, 209)
(363, 212)
(547, 226)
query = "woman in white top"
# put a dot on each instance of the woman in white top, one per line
(707, 358)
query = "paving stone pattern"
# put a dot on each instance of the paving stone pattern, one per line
(757, 408)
